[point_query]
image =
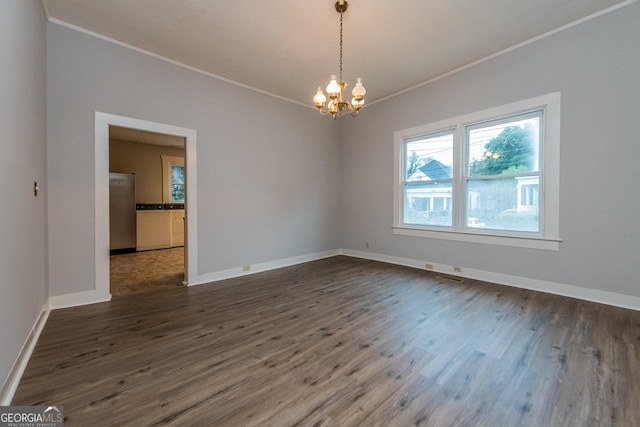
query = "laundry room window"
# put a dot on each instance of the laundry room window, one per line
(173, 179)
(177, 183)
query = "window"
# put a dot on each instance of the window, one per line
(173, 179)
(177, 184)
(502, 164)
(487, 177)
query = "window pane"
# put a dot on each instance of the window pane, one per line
(429, 157)
(428, 203)
(177, 193)
(505, 147)
(177, 173)
(177, 184)
(504, 204)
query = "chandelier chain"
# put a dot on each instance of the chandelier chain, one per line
(341, 46)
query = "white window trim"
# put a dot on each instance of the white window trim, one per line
(167, 162)
(550, 235)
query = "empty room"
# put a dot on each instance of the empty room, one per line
(418, 213)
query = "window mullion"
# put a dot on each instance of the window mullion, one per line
(459, 184)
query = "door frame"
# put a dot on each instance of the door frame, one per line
(102, 123)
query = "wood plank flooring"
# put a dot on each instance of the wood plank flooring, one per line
(340, 342)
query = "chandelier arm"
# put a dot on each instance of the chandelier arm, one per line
(352, 108)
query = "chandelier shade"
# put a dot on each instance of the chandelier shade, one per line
(335, 89)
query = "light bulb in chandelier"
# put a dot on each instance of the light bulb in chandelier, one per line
(319, 99)
(333, 88)
(359, 91)
(333, 107)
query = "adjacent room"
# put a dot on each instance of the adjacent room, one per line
(317, 213)
(146, 211)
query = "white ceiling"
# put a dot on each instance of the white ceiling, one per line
(288, 48)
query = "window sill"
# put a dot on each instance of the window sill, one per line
(545, 244)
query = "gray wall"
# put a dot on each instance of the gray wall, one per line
(23, 287)
(267, 187)
(596, 66)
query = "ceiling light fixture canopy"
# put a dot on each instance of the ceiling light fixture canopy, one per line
(335, 89)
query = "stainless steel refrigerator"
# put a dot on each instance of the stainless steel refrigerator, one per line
(122, 212)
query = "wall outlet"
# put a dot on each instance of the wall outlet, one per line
(457, 269)
(366, 245)
(428, 266)
(246, 268)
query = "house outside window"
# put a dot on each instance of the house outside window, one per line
(488, 177)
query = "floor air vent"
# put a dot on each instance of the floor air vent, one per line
(451, 278)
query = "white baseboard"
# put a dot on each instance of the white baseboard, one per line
(15, 374)
(257, 268)
(78, 298)
(594, 295)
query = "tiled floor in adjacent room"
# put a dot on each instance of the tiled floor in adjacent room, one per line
(147, 271)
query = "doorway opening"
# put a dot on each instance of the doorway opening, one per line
(147, 183)
(182, 193)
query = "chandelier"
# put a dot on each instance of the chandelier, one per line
(335, 89)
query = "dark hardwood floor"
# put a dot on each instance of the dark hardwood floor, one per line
(340, 342)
